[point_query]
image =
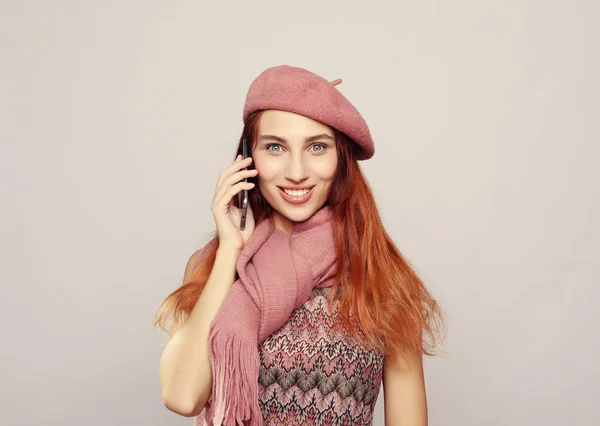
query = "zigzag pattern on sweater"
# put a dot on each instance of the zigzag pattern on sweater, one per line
(314, 373)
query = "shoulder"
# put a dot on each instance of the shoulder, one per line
(191, 264)
(197, 257)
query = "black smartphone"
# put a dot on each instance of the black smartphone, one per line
(244, 194)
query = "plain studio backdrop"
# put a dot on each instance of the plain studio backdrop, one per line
(117, 117)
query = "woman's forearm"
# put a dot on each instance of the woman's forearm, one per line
(185, 368)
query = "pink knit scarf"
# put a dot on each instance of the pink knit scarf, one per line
(277, 273)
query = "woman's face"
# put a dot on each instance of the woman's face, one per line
(296, 159)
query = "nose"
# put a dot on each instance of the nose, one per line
(296, 169)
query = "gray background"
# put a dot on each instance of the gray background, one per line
(117, 117)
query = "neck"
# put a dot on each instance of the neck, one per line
(282, 223)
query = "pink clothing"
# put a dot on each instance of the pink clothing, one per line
(314, 373)
(277, 273)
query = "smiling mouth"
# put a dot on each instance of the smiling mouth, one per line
(296, 196)
(296, 192)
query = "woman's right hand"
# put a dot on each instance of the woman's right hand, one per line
(227, 216)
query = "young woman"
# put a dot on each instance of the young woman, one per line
(299, 318)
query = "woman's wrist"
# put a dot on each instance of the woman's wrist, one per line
(228, 251)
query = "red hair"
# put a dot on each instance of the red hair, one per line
(376, 285)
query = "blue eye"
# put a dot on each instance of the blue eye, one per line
(322, 147)
(271, 145)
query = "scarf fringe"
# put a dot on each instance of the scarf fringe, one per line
(234, 360)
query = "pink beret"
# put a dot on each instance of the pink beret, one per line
(302, 92)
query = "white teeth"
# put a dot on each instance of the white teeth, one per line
(295, 193)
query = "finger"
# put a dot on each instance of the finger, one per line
(236, 166)
(225, 172)
(235, 178)
(228, 181)
(232, 180)
(234, 190)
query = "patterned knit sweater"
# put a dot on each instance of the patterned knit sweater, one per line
(314, 373)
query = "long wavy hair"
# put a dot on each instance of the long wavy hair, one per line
(382, 300)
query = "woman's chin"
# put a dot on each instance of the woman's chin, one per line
(298, 213)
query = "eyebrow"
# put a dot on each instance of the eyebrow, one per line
(307, 140)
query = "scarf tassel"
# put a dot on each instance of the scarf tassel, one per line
(235, 365)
